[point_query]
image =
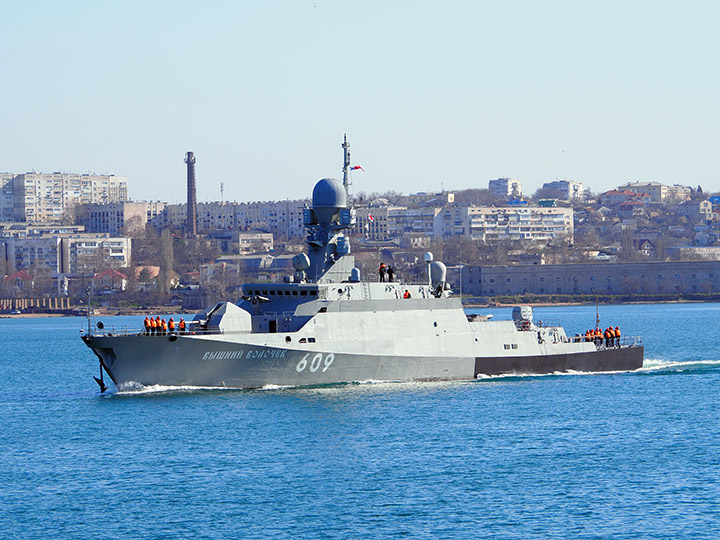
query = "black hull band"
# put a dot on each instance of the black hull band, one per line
(625, 359)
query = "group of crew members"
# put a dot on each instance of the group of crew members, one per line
(610, 335)
(386, 272)
(155, 326)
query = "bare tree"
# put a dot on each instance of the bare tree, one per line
(165, 249)
(134, 228)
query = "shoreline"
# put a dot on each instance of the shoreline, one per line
(163, 310)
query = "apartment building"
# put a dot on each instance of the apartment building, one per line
(506, 187)
(411, 221)
(112, 218)
(565, 189)
(45, 198)
(49, 251)
(7, 198)
(372, 221)
(490, 224)
(281, 218)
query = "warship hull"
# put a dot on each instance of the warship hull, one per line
(325, 324)
(203, 362)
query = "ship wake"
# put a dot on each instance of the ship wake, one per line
(657, 366)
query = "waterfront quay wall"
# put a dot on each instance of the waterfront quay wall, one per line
(641, 278)
(40, 304)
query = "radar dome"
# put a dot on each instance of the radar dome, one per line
(329, 192)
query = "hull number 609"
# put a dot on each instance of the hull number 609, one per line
(315, 363)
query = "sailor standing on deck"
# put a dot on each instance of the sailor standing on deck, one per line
(181, 326)
(171, 325)
(617, 336)
(146, 324)
(382, 271)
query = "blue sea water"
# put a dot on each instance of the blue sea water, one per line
(624, 455)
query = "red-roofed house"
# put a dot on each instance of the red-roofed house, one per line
(17, 282)
(109, 280)
(615, 197)
(631, 210)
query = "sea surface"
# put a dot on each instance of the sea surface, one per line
(621, 455)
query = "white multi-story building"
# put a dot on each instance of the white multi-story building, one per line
(113, 217)
(54, 253)
(507, 187)
(565, 189)
(373, 221)
(44, 198)
(281, 218)
(411, 221)
(659, 192)
(7, 198)
(490, 224)
(242, 242)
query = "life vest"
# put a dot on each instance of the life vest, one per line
(171, 325)
(153, 324)
(181, 325)
(407, 294)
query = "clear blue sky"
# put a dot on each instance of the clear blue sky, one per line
(429, 93)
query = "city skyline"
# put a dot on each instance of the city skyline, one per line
(429, 97)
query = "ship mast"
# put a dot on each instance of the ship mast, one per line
(346, 166)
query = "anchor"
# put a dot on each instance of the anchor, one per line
(100, 381)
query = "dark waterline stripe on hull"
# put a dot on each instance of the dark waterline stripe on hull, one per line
(626, 359)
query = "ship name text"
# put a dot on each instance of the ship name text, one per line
(240, 353)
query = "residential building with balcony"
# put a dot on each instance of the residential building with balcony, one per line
(491, 224)
(47, 198)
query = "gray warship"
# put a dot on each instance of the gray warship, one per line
(326, 325)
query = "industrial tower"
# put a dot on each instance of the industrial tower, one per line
(191, 224)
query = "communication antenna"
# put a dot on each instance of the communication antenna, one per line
(597, 311)
(222, 191)
(346, 166)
